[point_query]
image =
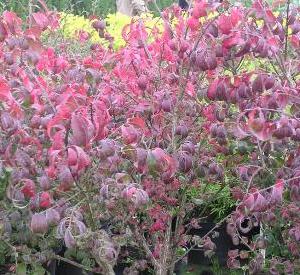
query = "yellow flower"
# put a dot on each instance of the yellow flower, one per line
(71, 24)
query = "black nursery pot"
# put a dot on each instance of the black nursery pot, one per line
(223, 244)
(67, 269)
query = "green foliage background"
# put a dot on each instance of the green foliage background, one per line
(87, 7)
(81, 7)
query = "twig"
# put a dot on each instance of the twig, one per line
(287, 29)
(60, 258)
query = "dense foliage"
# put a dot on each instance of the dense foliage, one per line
(128, 149)
(87, 7)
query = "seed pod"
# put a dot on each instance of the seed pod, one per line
(258, 85)
(182, 131)
(235, 239)
(12, 43)
(296, 137)
(211, 61)
(8, 59)
(222, 141)
(269, 82)
(220, 115)
(279, 133)
(244, 49)
(221, 132)
(65, 177)
(201, 170)
(292, 16)
(272, 103)
(35, 122)
(3, 32)
(141, 198)
(212, 30)
(7, 122)
(24, 45)
(221, 91)
(261, 243)
(39, 223)
(230, 229)
(15, 216)
(44, 182)
(201, 62)
(99, 25)
(219, 51)
(257, 124)
(69, 239)
(110, 253)
(243, 91)
(185, 162)
(189, 147)
(52, 216)
(173, 45)
(33, 57)
(214, 130)
(213, 168)
(142, 82)
(295, 27)
(288, 131)
(107, 148)
(166, 105)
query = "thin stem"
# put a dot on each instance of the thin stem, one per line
(141, 239)
(60, 258)
(287, 29)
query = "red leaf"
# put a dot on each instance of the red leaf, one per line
(260, 202)
(77, 158)
(28, 188)
(259, 127)
(40, 20)
(45, 200)
(13, 22)
(211, 91)
(138, 122)
(129, 134)
(277, 192)
(228, 22)
(79, 126)
(233, 40)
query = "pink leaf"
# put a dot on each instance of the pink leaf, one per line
(277, 192)
(228, 22)
(79, 126)
(40, 20)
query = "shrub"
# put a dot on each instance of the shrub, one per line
(102, 151)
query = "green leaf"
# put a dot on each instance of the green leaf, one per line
(38, 270)
(21, 269)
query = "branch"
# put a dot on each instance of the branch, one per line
(60, 258)
(287, 29)
(141, 239)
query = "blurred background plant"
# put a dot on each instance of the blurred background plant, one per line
(100, 8)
